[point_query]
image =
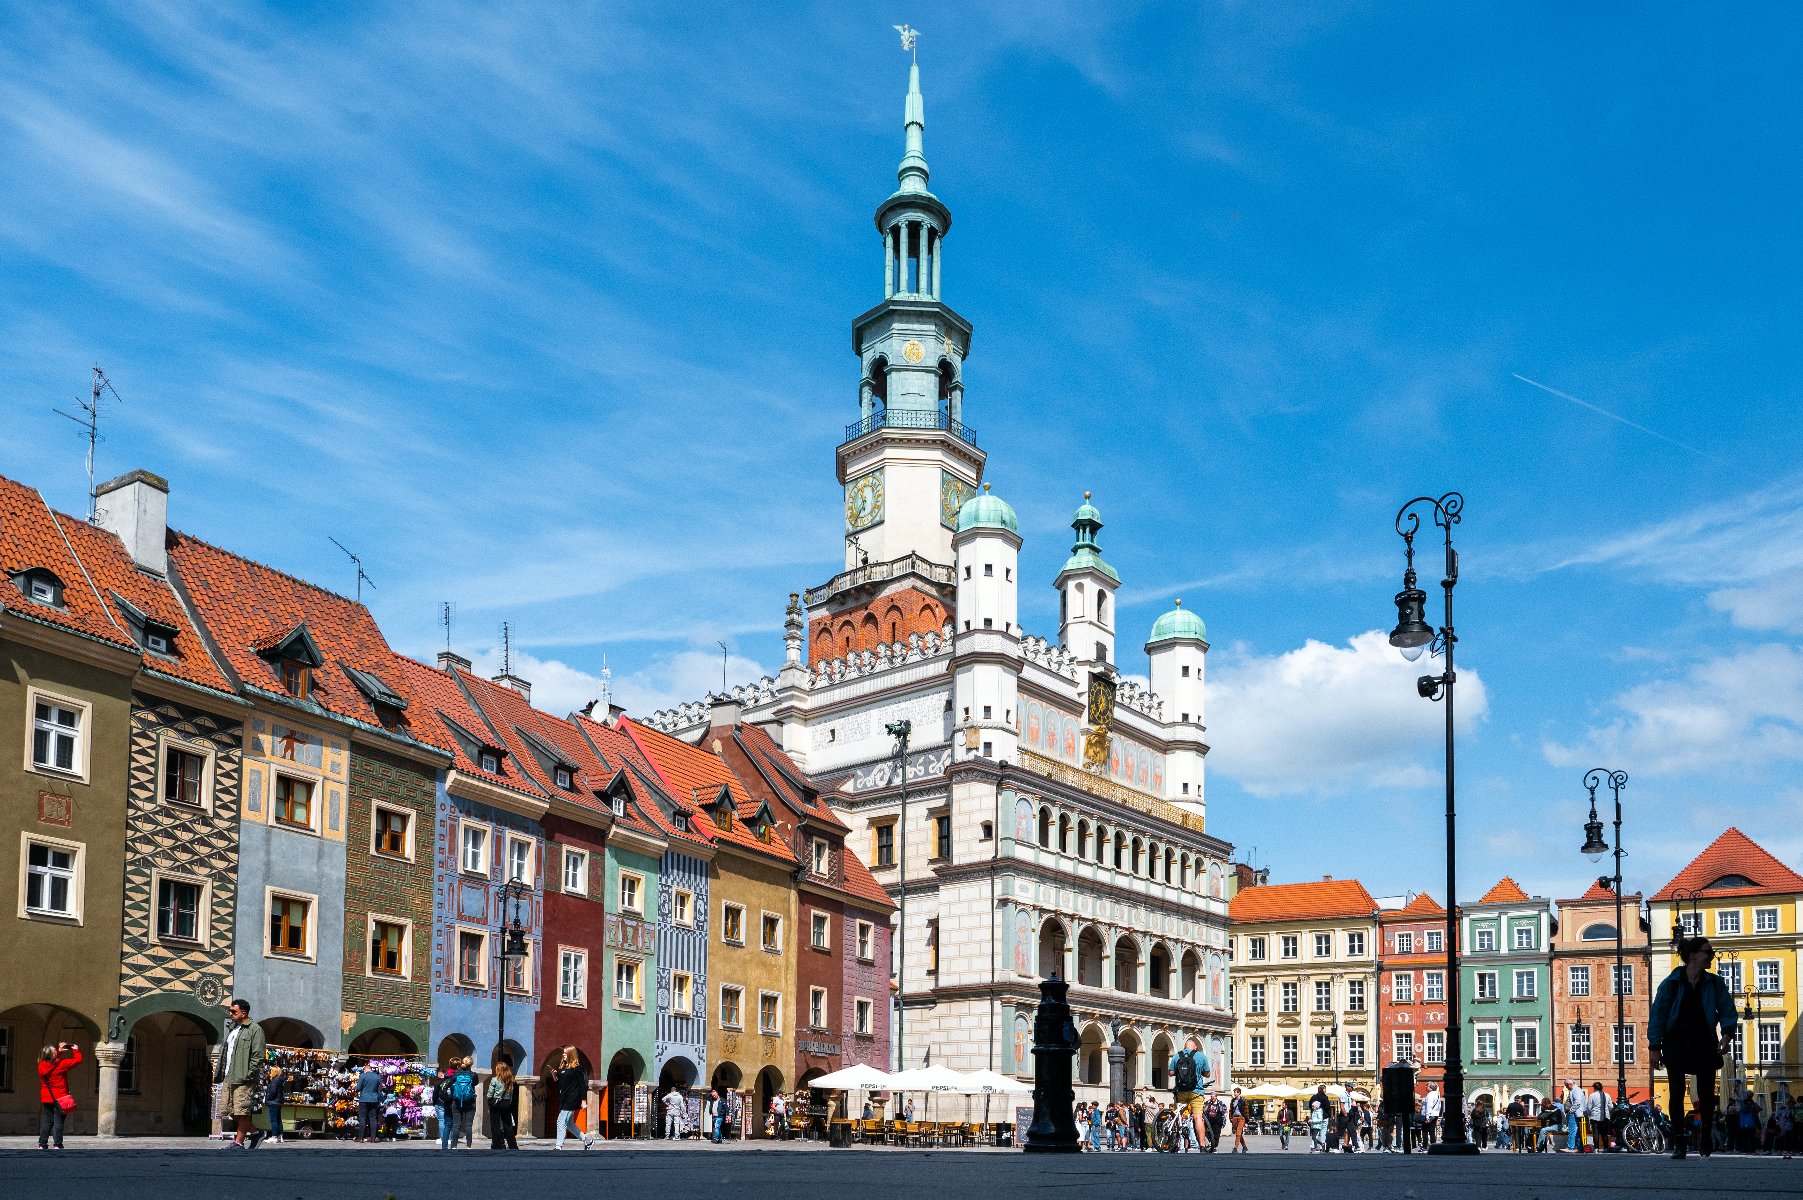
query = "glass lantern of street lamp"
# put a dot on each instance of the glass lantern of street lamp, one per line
(515, 945)
(1594, 845)
(1412, 634)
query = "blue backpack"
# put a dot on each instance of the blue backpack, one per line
(463, 1088)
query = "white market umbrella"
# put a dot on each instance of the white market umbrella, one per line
(993, 1082)
(928, 1080)
(1268, 1091)
(854, 1078)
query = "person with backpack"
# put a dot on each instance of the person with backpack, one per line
(463, 1103)
(1190, 1072)
(503, 1107)
(572, 1095)
(1214, 1113)
(441, 1100)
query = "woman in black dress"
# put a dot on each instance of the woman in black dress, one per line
(1691, 1006)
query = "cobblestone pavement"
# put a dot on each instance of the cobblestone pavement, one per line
(155, 1168)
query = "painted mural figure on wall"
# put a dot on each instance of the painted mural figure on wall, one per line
(1023, 933)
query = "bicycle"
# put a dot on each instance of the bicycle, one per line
(1640, 1133)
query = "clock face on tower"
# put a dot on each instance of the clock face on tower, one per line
(953, 492)
(864, 501)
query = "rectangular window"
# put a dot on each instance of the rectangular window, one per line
(518, 975)
(1324, 945)
(682, 907)
(628, 983)
(817, 1008)
(1486, 985)
(387, 947)
(1255, 949)
(772, 933)
(52, 874)
(184, 777)
(1323, 995)
(770, 1013)
(1486, 1043)
(1765, 975)
(128, 1068)
(1288, 1000)
(1765, 920)
(1580, 1045)
(572, 977)
(732, 1007)
(862, 1011)
(1255, 997)
(56, 737)
(1355, 995)
(393, 831)
(682, 992)
(1577, 980)
(1484, 937)
(1771, 1042)
(1436, 941)
(1402, 1045)
(1290, 1052)
(1727, 920)
(519, 859)
(1258, 1049)
(1405, 943)
(294, 802)
(1623, 980)
(1625, 1044)
(1526, 985)
(819, 931)
(297, 678)
(1527, 1043)
(632, 890)
(1355, 1049)
(1691, 923)
(178, 910)
(474, 856)
(932, 941)
(1524, 937)
(1731, 975)
(883, 852)
(732, 923)
(472, 958)
(1433, 1046)
(1433, 987)
(1737, 1050)
(1323, 1050)
(1355, 944)
(821, 855)
(942, 837)
(1402, 987)
(1288, 946)
(8, 1052)
(866, 941)
(289, 918)
(575, 871)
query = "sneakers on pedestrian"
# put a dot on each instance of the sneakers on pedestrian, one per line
(234, 1145)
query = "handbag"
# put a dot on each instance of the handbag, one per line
(66, 1102)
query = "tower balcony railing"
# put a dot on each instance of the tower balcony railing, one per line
(910, 418)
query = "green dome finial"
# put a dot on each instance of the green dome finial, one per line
(1177, 625)
(984, 511)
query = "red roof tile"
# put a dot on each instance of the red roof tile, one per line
(697, 776)
(31, 536)
(1421, 906)
(1506, 891)
(1302, 901)
(1731, 854)
(619, 752)
(442, 703)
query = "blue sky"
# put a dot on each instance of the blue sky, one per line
(546, 311)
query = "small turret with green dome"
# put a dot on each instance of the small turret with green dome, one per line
(1086, 554)
(1177, 624)
(984, 511)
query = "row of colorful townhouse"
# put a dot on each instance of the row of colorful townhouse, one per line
(230, 786)
(1332, 985)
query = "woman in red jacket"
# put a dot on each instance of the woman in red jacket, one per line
(54, 1065)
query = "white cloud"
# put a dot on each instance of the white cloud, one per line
(1774, 603)
(686, 675)
(1325, 719)
(1743, 709)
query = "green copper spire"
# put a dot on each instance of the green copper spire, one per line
(1087, 552)
(912, 175)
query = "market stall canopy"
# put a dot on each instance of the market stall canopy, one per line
(1269, 1091)
(1360, 1098)
(855, 1077)
(981, 1082)
(926, 1079)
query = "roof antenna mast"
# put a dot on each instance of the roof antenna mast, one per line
(722, 646)
(447, 610)
(362, 575)
(90, 423)
(506, 648)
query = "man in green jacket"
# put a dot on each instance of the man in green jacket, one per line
(240, 1069)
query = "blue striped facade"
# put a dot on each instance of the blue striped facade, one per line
(682, 948)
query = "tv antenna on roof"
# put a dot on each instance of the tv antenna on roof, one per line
(362, 575)
(447, 609)
(506, 648)
(722, 646)
(90, 423)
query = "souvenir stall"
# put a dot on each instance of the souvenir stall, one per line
(322, 1092)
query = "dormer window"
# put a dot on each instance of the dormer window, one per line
(619, 807)
(490, 761)
(157, 643)
(293, 656)
(40, 586)
(763, 832)
(564, 779)
(297, 678)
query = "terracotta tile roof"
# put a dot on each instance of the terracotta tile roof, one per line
(1731, 854)
(31, 536)
(441, 703)
(244, 604)
(118, 579)
(649, 798)
(593, 772)
(507, 716)
(1506, 891)
(1302, 901)
(1421, 906)
(697, 776)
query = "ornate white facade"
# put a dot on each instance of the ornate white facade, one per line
(1055, 819)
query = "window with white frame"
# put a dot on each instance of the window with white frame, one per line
(472, 958)
(564, 779)
(1577, 979)
(1324, 945)
(1255, 997)
(682, 992)
(1727, 920)
(862, 1013)
(820, 931)
(1731, 975)
(52, 886)
(519, 859)
(186, 772)
(1402, 987)
(682, 907)
(1691, 923)
(1486, 1043)
(629, 983)
(1291, 1054)
(1433, 986)
(1765, 920)
(1288, 999)
(1323, 1050)
(732, 1006)
(290, 924)
(632, 892)
(773, 933)
(1771, 1042)
(518, 975)
(821, 855)
(472, 856)
(866, 941)
(1355, 1049)
(1255, 949)
(391, 831)
(1433, 1046)
(1483, 937)
(1737, 1049)
(294, 805)
(1323, 995)
(1355, 995)
(1256, 1049)
(1623, 979)
(1527, 984)
(572, 977)
(770, 1013)
(1766, 975)
(1402, 1045)
(1580, 1045)
(180, 905)
(1436, 941)
(390, 954)
(1485, 985)
(817, 1008)
(489, 761)
(56, 735)
(1527, 1042)
(1355, 943)
(1625, 1044)
(575, 871)
(732, 923)
(1405, 943)
(1524, 937)
(1288, 946)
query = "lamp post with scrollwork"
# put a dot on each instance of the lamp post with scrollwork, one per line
(512, 942)
(1413, 636)
(1594, 848)
(899, 730)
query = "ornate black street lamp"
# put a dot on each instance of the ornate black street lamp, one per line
(1413, 635)
(512, 939)
(899, 730)
(1679, 897)
(1594, 849)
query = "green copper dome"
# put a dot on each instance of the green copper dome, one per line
(1086, 554)
(1178, 624)
(983, 511)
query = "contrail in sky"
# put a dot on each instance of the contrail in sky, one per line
(1630, 424)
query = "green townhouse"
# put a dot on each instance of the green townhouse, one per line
(1506, 996)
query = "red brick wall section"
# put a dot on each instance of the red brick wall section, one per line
(888, 618)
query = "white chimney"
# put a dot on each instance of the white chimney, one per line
(508, 679)
(135, 507)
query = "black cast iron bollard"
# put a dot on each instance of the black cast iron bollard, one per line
(1055, 1043)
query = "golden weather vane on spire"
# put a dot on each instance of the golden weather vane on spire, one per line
(909, 35)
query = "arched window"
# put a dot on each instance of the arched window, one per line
(1082, 839)
(1120, 851)
(1064, 835)
(1597, 933)
(1102, 606)
(1183, 879)
(1102, 844)
(1170, 865)
(1045, 827)
(1137, 849)
(879, 382)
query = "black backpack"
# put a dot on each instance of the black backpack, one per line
(1184, 1078)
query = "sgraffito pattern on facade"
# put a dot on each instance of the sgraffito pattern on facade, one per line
(682, 948)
